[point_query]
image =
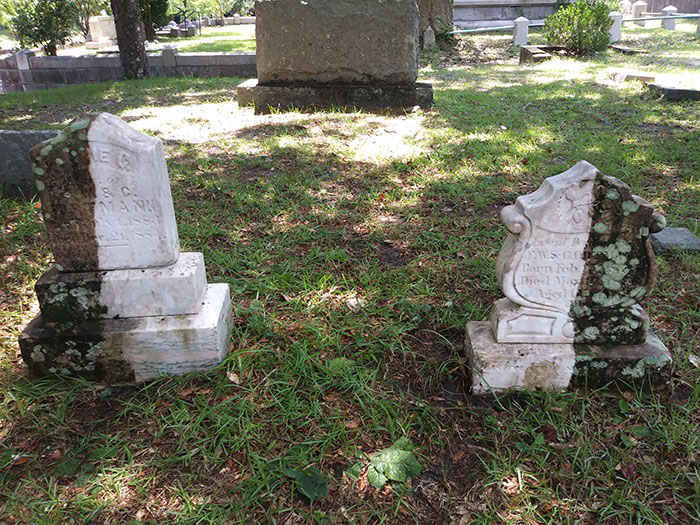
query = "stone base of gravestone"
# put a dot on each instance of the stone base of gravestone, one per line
(674, 240)
(177, 289)
(266, 98)
(499, 367)
(133, 349)
(16, 176)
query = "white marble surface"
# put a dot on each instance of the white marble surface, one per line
(541, 263)
(134, 216)
(169, 290)
(498, 367)
(177, 344)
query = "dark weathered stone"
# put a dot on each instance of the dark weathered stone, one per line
(16, 176)
(353, 42)
(61, 168)
(620, 269)
(76, 350)
(673, 93)
(674, 240)
(646, 364)
(69, 297)
(318, 97)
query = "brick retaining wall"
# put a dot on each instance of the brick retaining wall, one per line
(25, 72)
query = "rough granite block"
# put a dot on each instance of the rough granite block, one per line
(84, 296)
(353, 42)
(16, 177)
(674, 240)
(132, 350)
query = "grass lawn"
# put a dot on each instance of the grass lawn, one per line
(305, 215)
(217, 38)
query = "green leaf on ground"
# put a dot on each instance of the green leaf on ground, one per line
(309, 482)
(396, 463)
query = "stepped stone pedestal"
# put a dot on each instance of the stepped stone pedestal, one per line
(121, 304)
(576, 264)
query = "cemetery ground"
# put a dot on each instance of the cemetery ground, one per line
(357, 247)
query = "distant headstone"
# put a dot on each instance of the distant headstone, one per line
(16, 176)
(573, 270)
(320, 53)
(629, 75)
(103, 32)
(428, 38)
(122, 303)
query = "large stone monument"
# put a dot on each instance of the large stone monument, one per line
(576, 264)
(322, 53)
(121, 304)
(103, 32)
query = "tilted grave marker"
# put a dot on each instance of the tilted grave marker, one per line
(573, 270)
(122, 303)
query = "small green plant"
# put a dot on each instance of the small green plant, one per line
(582, 27)
(43, 23)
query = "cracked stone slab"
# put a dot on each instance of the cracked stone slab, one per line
(133, 349)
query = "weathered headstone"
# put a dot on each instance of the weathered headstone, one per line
(102, 31)
(122, 303)
(16, 177)
(320, 53)
(573, 270)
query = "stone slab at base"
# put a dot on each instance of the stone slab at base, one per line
(629, 75)
(674, 240)
(645, 365)
(83, 296)
(498, 367)
(336, 96)
(132, 350)
(674, 93)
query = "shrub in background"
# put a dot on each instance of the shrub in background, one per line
(582, 27)
(43, 23)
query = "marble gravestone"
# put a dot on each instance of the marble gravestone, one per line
(122, 303)
(573, 270)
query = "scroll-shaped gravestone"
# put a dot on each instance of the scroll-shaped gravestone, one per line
(105, 197)
(576, 264)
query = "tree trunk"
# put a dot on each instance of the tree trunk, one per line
(131, 38)
(437, 14)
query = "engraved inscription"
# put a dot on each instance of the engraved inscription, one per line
(551, 268)
(122, 217)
